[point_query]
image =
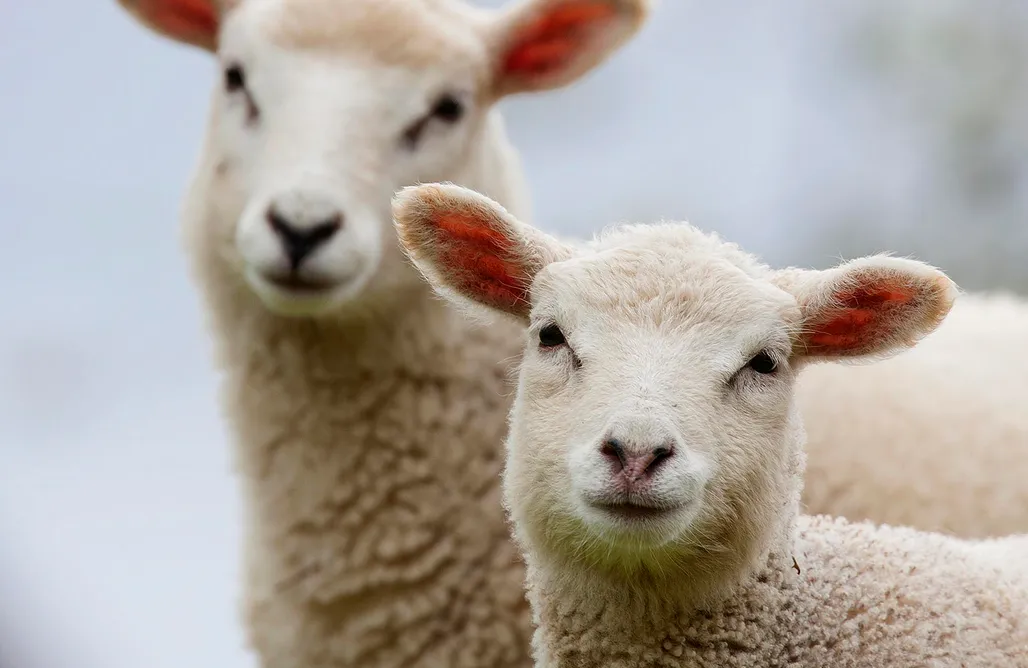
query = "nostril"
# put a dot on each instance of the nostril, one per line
(658, 457)
(322, 232)
(279, 224)
(614, 451)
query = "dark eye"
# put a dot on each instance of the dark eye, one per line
(235, 80)
(448, 109)
(550, 336)
(763, 363)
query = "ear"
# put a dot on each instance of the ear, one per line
(544, 44)
(873, 306)
(188, 21)
(469, 248)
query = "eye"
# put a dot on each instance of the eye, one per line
(763, 363)
(550, 336)
(235, 80)
(448, 109)
(235, 83)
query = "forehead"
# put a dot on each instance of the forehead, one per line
(669, 275)
(417, 34)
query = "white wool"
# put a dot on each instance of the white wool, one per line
(367, 416)
(655, 454)
(952, 409)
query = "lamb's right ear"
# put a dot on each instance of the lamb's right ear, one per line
(468, 246)
(188, 21)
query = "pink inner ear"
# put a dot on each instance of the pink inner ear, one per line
(551, 40)
(863, 316)
(477, 256)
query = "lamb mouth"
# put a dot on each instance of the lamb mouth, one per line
(298, 284)
(634, 511)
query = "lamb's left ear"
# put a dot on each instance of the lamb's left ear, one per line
(543, 44)
(468, 246)
(873, 306)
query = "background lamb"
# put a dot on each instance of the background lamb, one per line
(368, 431)
(655, 455)
(952, 410)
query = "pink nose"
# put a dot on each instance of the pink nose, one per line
(635, 465)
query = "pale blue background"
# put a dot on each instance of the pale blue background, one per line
(803, 130)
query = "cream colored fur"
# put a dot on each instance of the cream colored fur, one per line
(367, 416)
(662, 338)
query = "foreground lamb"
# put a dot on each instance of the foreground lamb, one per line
(655, 455)
(367, 416)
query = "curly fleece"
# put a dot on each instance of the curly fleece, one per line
(369, 448)
(870, 426)
(370, 459)
(846, 595)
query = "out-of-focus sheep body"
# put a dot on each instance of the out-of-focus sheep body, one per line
(936, 438)
(367, 416)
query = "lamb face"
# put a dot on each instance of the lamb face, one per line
(323, 109)
(655, 388)
(654, 424)
(650, 410)
(315, 126)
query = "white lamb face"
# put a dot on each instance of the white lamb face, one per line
(316, 139)
(324, 108)
(655, 384)
(654, 418)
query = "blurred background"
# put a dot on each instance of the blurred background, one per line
(805, 131)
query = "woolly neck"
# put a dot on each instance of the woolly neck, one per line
(702, 583)
(591, 618)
